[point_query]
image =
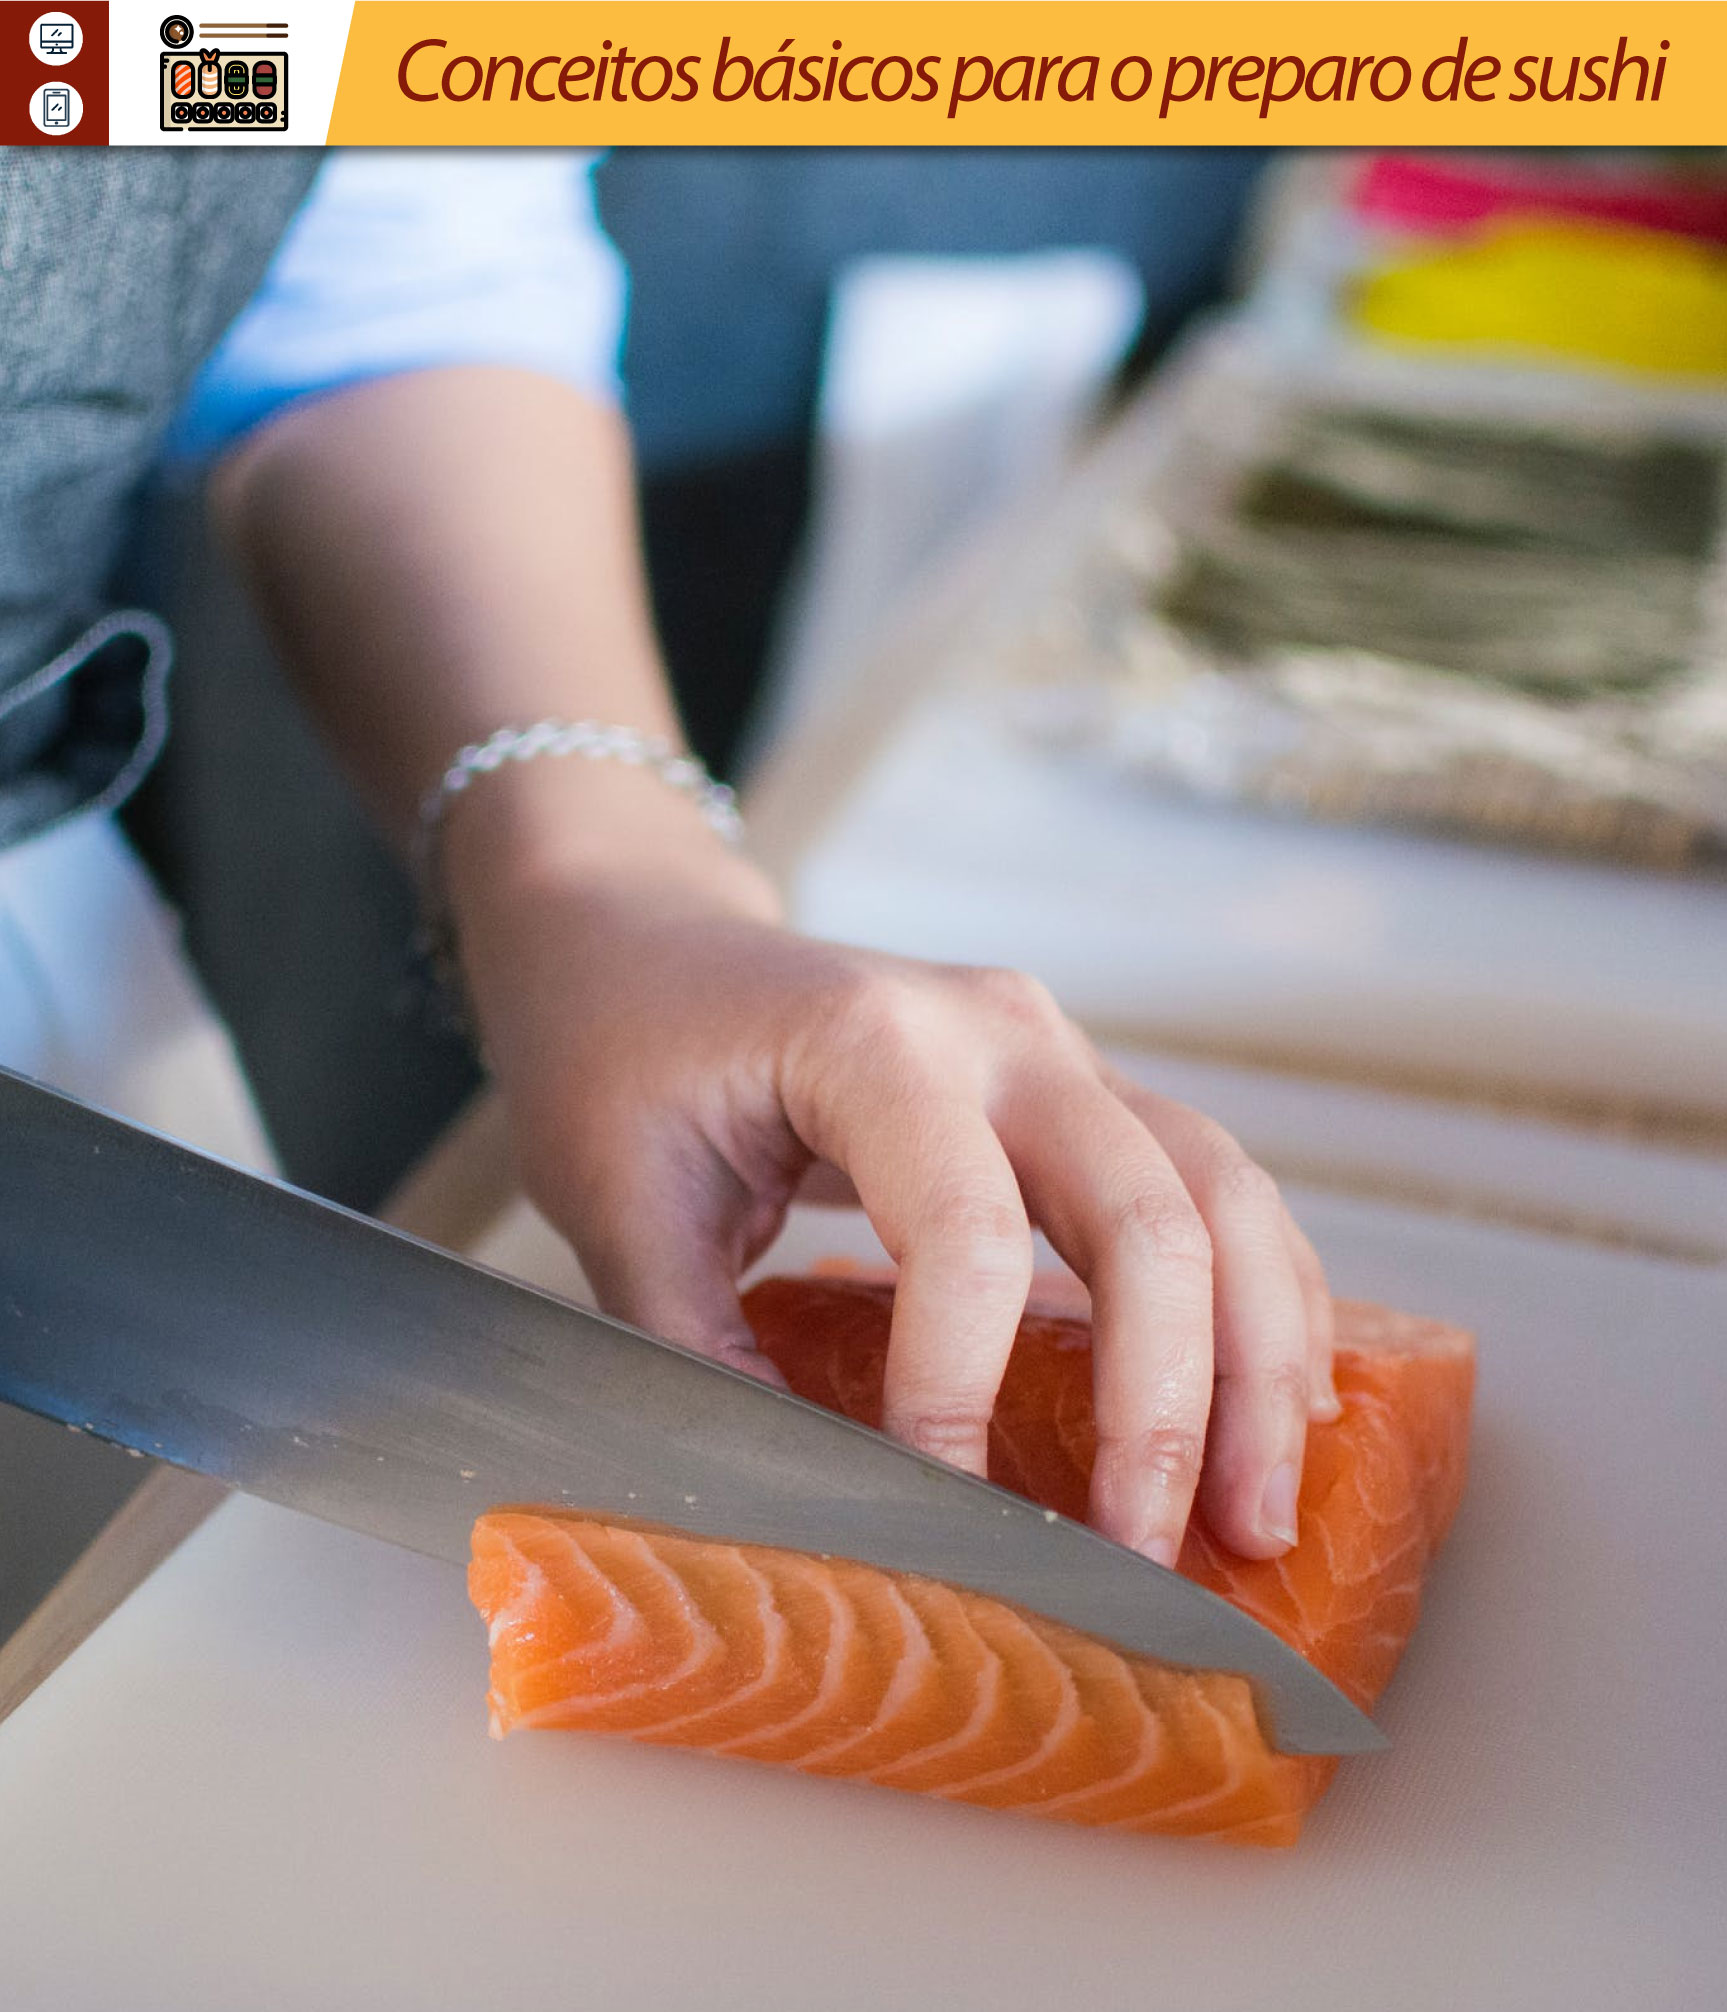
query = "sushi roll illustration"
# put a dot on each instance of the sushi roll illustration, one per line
(210, 73)
(182, 81)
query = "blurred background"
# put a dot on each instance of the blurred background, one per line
(1327, 661)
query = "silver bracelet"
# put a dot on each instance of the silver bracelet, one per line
(589, 738)
(653, 752)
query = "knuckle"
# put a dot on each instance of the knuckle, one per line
(1286, 1385)
(1283, 1385)
(985, 1248)
(947, 1432)
(1170, 1454)
(1166, 1225)
(1017, 997)
(1242, 1185)
(879, 1010)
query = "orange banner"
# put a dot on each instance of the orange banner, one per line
(1033, 72)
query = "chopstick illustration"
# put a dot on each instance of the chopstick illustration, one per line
(242, 27)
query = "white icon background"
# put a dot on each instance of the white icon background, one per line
(55, 38)
(55, 108)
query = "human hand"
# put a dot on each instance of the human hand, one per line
(676, 1063)
(439, 552)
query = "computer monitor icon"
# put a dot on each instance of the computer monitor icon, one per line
(54, 38)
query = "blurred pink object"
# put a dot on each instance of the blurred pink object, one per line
(1415, 192)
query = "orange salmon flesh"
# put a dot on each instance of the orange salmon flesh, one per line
(843, 1669)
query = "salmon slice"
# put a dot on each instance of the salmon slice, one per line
(839, 1668)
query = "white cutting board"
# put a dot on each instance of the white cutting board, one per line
(265, 1782)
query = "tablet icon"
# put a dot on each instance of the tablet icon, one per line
(55, 38)
(55, 109)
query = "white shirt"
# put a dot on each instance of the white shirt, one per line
(405, 260)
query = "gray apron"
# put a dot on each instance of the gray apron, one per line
(120, 268)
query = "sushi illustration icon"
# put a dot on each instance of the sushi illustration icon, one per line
(222, 87)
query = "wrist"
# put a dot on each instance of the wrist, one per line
(602, 833)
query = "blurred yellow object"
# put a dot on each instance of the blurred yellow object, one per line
(1640, 300)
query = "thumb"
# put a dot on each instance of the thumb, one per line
(672, 1277)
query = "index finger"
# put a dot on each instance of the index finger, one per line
(936, 1184)
(1113, 1204)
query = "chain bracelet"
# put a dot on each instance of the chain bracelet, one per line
(588, 738)
(681, 772)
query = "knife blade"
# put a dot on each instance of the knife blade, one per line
(168, 1302)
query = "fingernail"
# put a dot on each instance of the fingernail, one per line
(1277, 1512)
(1163, 1551)
(1326, 1407)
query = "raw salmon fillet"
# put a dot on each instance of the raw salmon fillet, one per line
(840, 1668)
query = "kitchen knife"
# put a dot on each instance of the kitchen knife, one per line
(171, 1303)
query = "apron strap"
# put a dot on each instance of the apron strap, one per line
(131, 724)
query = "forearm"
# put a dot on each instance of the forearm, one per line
(447, 552)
